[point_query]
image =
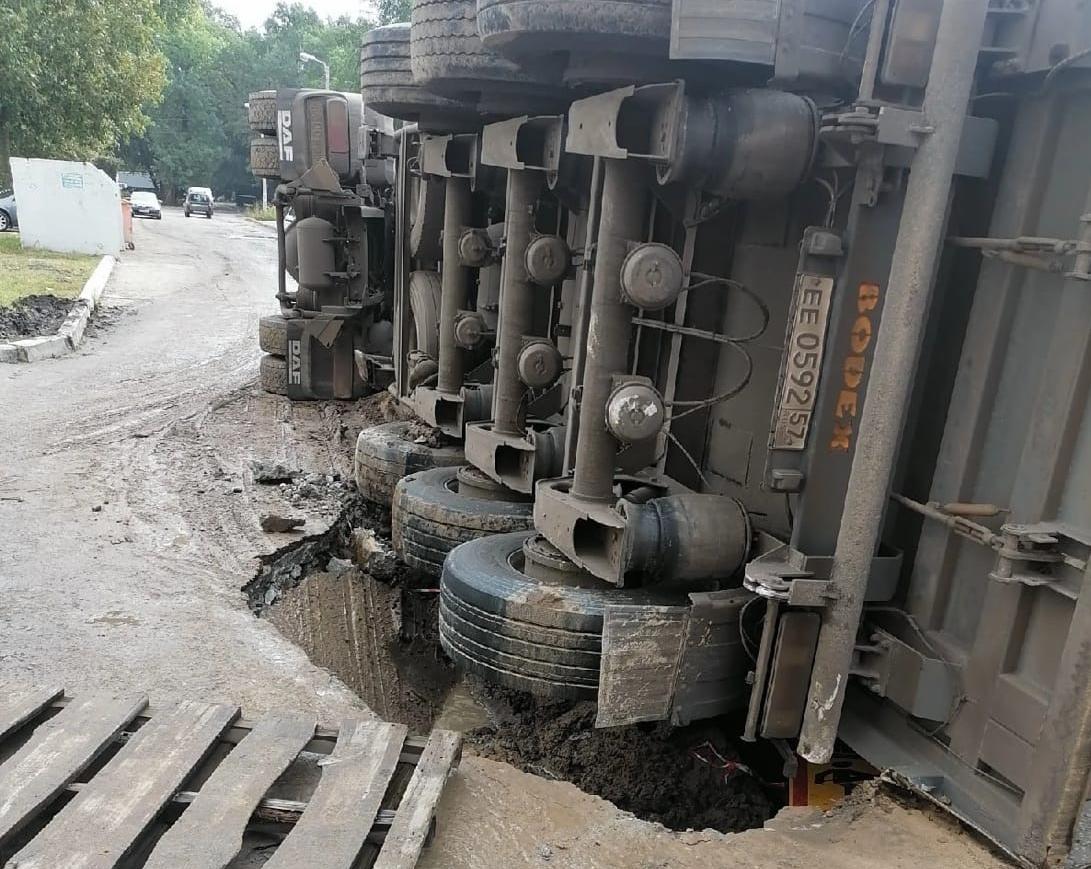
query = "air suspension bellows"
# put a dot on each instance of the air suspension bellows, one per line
(690, 536)
(748, 144)
(743, 144)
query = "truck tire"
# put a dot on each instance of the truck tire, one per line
(449, 58)
(385, 454)
(426, 219)
(273, 335)
(262, 112)
(521, 28)
(521, 632)
(264, 157)
(273, 374)
(432, 513)
(387, 86)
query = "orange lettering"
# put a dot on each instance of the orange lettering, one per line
(846, 403)
(867, 298)
(842, 437)
(854, 371)
(860, 336)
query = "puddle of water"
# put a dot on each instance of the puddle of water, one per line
(461, 711)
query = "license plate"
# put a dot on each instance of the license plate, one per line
(802, 362)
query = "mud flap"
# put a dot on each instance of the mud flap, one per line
(320, 358)
(676, 663)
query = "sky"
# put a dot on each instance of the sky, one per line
(252, 13)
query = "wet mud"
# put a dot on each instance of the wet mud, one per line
(357, 611)
(683, 778)
(31, 316)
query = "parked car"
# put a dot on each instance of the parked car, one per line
(146, 204)
(9, 219)
(199, 201)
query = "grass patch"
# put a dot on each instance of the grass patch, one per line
(256, 212)
(32, 272)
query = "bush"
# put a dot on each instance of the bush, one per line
(258, 213)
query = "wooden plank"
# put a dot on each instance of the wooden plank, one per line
(105, 819)
(18, 707)
(277, 810)
(413, 822)
(60, 750)
(323, 742)
(209, 833)
(339, 816)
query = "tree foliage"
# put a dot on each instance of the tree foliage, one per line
(159, 85)
(75, 76)
(198, 134)
(392, 11)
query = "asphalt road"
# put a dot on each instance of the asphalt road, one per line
(124, 545)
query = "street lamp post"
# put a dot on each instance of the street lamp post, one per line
(306, 56)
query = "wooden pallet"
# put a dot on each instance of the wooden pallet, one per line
(98, 781)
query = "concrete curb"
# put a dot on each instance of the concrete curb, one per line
(70, 334)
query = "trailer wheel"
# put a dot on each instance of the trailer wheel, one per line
(273, 335)
(264, 157)
(262, 112)
(522, 632)
(520, 28)
(273, 375)
(385, 454)
(387, 85)
(448, 56)
(426, 218)
(433, 512)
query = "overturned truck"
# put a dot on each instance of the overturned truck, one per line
(332, 337)
(753, 341)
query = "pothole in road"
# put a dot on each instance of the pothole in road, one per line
(363, 615)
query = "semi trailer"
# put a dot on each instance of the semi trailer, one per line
(753, 343)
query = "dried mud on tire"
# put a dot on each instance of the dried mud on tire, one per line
(273, 375)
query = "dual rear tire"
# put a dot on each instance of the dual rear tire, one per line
(434, 511)
(273, 340)
(522, 632)
(386, 453)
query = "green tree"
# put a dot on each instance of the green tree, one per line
(187, 137)
(198, 134)
(392, 11)
(76, 75)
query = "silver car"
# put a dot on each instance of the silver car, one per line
(9, 219)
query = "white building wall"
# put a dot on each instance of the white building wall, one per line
(67, 206)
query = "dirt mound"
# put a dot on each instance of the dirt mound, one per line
(31, 316)
(684, 778)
